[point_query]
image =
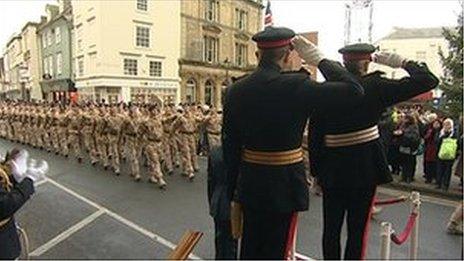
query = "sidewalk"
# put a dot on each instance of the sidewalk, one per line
(454, 191)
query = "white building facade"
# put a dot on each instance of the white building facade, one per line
(127, 50)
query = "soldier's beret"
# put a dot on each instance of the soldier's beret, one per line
(274, 37)
(356, 52)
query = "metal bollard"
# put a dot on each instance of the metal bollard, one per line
(385, 244)
(415, 207)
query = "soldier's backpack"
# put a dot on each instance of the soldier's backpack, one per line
(448, 149)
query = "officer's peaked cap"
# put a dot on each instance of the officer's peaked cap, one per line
(356, 52)
(273, 37)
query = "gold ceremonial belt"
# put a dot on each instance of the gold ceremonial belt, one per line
(352, 138)
(277, 158)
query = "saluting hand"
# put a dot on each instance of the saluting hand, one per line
(389, 59)
(307, 50)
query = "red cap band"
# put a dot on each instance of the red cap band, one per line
(274, 44)
(357, 56)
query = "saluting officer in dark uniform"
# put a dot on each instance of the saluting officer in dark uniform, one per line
(264, 118)
(347, 155)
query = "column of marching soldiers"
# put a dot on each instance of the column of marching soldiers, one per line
(163, 138)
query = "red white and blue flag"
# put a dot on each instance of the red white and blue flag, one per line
(268, 21)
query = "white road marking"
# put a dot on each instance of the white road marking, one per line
(121, 219)
(299, 256)
(40, 182)
(67, 233)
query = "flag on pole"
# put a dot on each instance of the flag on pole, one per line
(268, 21)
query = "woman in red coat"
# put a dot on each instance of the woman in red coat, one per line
(430, 155)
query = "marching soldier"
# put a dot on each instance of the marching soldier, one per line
(349, 159)
(168, 141)
(74, 137)
(114, 134)
(152, 131)
(130, 130)
(186, 128)
(88, 133)
(101, 136)
(63, 119)
(262, 141)
(213, 124)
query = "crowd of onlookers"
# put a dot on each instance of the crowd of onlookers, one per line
(410, 132)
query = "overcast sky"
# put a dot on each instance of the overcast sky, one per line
(327, 17)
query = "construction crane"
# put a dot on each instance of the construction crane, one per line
(358, 21)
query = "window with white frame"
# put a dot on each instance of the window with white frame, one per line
(45, 65)
(130, 66)
(50, 65)
(210, 49)
(80, 66)
(49, 37)
(190, 91)
(58, 35)
(142, 5)
(155, 69)
(142, 38)
(241, 19)
(241, 54)
(59, 62)
(212, 10)
(44, 40)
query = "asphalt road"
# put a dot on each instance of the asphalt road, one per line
(84, 212)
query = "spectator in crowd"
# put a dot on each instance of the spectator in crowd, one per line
(219, 206)
(458, 170)
(430, 155)
(447, 153)
(409, 141)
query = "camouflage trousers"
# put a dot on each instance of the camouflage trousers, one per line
(153, 153)
(176, 144)
(113, 150)
(74, 144)
(134, 153)
(88, 139)
(101, 142)
(63, 147)
(167, 154)
(188, 154)
(54, 139)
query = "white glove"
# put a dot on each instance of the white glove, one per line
(307, 50)
(19, 165)
(389, 59)
(38, 172)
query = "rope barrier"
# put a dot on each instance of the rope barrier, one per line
(411, 229)
(390, 201)
(399, 240)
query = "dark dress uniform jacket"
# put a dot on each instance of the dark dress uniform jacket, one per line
(364, 165)
(10, 202)
(267, 111)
